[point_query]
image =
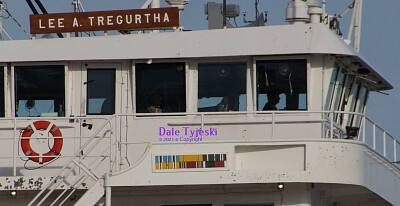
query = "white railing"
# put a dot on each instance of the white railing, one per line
(370, 133)
(112, 127)
(380, 140)
(377, 139)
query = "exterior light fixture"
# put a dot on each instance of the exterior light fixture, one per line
(13, 194)
(280, 186)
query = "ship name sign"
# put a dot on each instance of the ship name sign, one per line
(136, 19)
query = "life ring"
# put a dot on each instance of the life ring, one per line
(54, 151)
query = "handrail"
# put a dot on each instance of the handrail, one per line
(394, 142)
(385, 144)
(385, 139)
(329, 129)
(388, 144)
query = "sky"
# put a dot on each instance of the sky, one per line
(380, 37)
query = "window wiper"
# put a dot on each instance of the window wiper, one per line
(88, 82)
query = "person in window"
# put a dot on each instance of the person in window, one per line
(155, 104)
(224, 105)
(273, 100)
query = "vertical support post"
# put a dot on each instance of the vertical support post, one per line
(351, 27)
(357, 25)
(202, 121)
(373, 137)
(384, 143)
(331, 119)
(108, 189)
(117, 135)
(323, 9)
(224, 15)
(1, 20)
(363, 126)
(155, 4)
(15, 148)
(76, 5)
(273, 125)
(394, 150)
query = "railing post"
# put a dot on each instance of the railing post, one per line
(15, 148)
(273, 126)
(384, 143)
(373, 137)
(202, 121)
(108, 189)
(117, 148)
(394, 150)
(331, 119)
(363, 125)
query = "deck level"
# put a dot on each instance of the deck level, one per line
(323, 85)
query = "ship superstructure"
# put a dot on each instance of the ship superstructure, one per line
(191, 118)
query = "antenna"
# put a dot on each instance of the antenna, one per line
(357, 13)
(77, 8)
(355, 24)
(256, 5)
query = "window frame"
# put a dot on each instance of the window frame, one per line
(352, 101)
(224, 63)
(160, 61)
(307, 58)
(331, 90)
(13, 90)
(349, 81)
(357, 107)
(104, 65)
(112, 70)
(224, 60)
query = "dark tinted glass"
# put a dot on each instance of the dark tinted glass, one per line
(100, 91)
(222, 87)
(282, 85)
(39, 90)
(160, 88)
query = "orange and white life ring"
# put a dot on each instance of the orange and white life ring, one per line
(54, 151)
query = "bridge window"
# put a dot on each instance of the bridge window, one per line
(39, 91)
(222, 87)
(282, 85)
(360, 106)
(349, 92)
(160, 88)
(2, 101)
(338, 92)
(331, 89)
(100, 91)
(352, 101)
